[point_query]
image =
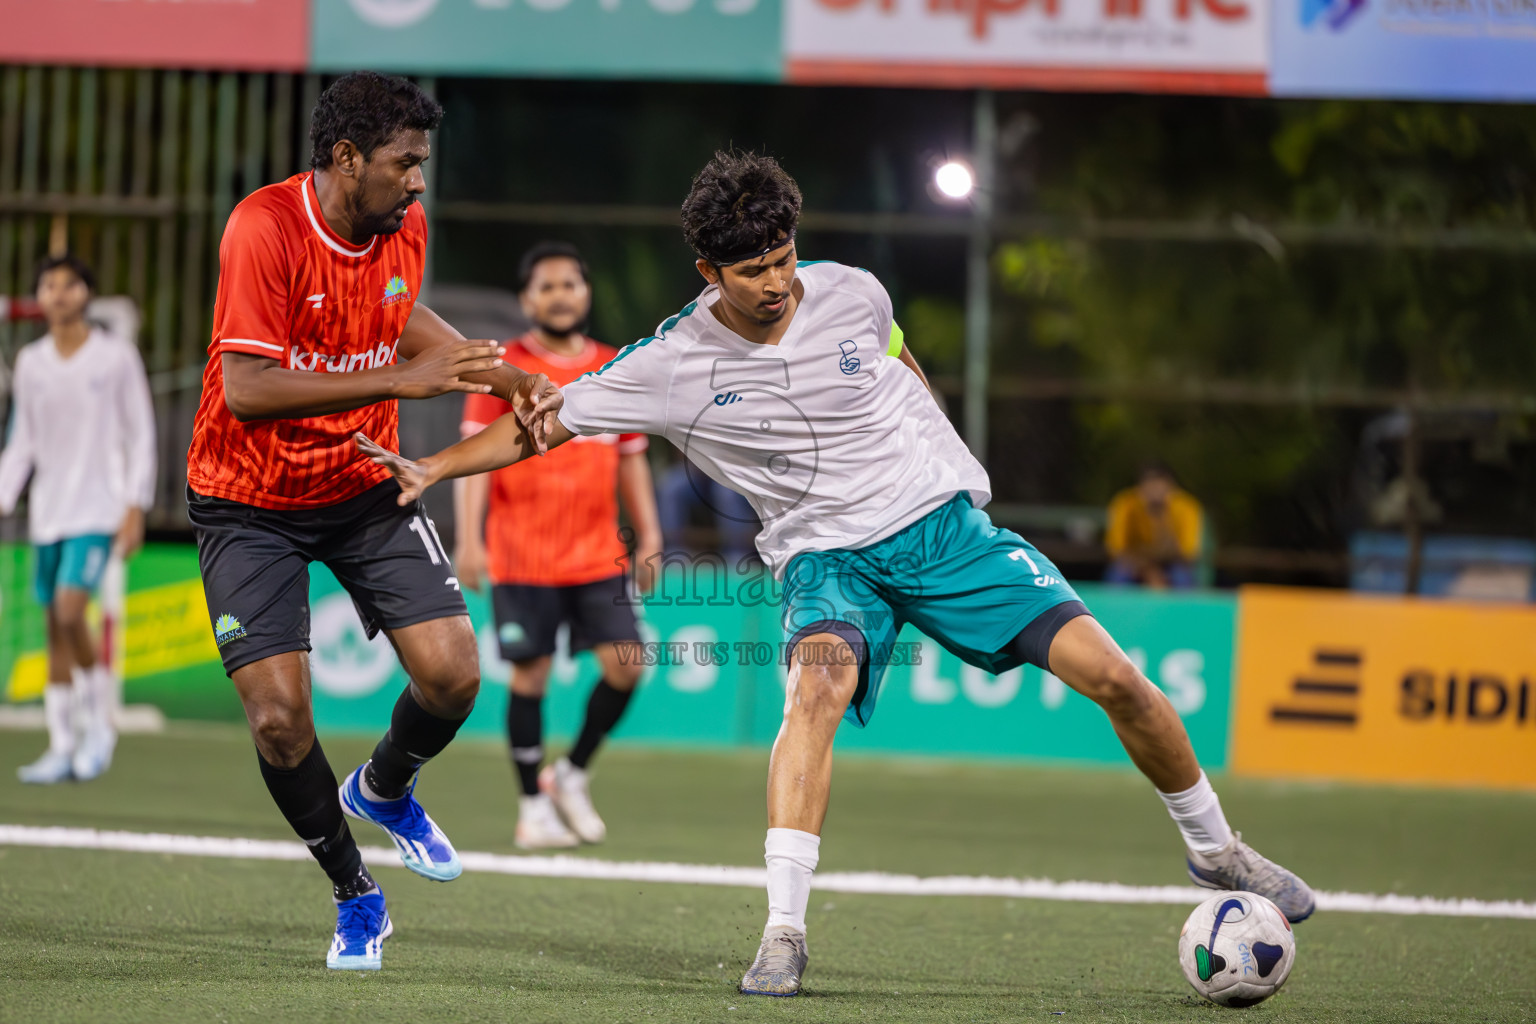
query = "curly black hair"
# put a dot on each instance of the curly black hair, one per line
(739, 203)
(71, 262)
(369, 109)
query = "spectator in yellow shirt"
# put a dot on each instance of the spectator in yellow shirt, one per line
(1154, 533)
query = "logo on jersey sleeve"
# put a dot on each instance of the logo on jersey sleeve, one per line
(396, 291)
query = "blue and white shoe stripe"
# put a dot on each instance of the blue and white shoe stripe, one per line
(423, 847)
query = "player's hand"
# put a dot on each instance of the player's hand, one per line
(469, 564)
(540, 420)
(130, 535)
(441, 369)
(413, 477)
(531, 390)
(647, 565)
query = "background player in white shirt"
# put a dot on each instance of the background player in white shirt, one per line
(789, 383)
(83, 429)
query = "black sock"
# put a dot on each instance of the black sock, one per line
(414, 738)
(360, 883)
(306, 794)
(604, 709)
(525, 731)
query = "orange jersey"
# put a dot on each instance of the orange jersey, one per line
(554, 521)
(291, 289)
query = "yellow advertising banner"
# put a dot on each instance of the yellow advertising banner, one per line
(1352, 686)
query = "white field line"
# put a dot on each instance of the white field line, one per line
(870, 882)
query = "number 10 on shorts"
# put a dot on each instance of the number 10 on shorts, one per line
(424, 528)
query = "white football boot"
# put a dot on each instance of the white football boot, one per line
(53, 767)
(93, 752)
(568, 787)
(539, 826)
(780, 962)
(1238, 866)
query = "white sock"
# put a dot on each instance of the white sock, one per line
(104, 686)
(1197, 812)
(791, 856)
(87, 700)
(59, 713)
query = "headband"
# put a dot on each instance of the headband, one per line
(755, 254)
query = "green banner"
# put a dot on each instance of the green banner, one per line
(1184, 643)
(673, 39)
(21, 624)
(715, 678)
(686, 698)
(161, 642)
(714, 675)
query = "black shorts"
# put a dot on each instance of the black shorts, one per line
(255, 565)
(528, 617)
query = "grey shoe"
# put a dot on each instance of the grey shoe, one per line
(780, 962)
(1239, 867)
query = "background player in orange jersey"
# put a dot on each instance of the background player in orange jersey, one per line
(552, 551)
(316, 308)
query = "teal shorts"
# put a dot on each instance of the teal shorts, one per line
(986, 594)
(76, 562)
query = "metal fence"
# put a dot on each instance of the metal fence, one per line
(136, 172)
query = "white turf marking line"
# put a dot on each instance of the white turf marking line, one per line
(868, 882)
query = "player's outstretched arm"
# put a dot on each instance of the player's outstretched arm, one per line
(259, 388)
(502, 443)
(425, 331)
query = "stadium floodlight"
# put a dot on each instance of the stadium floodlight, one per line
(954, 180)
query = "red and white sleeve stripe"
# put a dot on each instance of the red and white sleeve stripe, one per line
(251, 346)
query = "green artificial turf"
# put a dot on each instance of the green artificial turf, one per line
(101, 936)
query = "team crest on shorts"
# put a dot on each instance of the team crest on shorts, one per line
(227, 628)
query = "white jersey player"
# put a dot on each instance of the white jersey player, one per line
(83, 430)
(790, 383)
(834, 442)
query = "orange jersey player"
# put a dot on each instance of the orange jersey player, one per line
(316, 333)
(552, 550)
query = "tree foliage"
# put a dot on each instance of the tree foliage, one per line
(1348, 299)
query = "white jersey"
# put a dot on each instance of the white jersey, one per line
(83, 428)
(833, 440)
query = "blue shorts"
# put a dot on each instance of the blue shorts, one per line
(954, 575)
(76, 562)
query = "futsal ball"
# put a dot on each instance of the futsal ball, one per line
(1237, 949)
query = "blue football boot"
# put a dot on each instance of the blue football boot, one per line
(423, 846)
(362, 925)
